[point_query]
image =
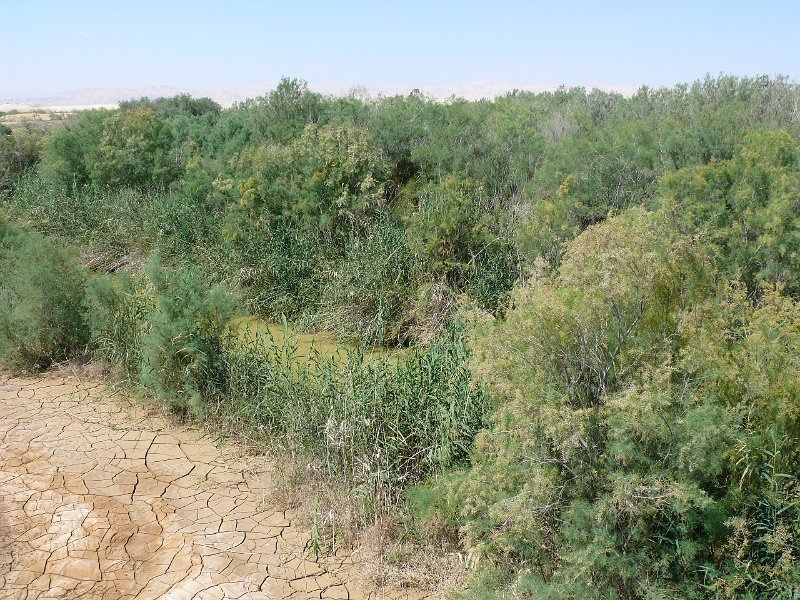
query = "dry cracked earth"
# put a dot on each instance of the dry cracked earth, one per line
(101, 499)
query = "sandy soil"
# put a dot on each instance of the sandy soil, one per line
(26, 116)
(38, 119)
(100, 498)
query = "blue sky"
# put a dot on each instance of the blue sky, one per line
(48, 47)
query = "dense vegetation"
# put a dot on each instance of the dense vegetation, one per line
(599, 293)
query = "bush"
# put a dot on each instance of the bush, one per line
(41, 294)
(646, 438)
(450, 228)
(276, 267)
(112, 148)
(19, 152)
(539, 500)
(121, 221)
(741, 437)
(182, 351)
(462, 240)
(746, 209)
(71, 152)
(586, 177)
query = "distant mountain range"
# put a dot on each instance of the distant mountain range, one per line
(110, 96)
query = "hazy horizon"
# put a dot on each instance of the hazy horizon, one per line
(106, 96)
(467, 49)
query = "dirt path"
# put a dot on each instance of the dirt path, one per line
(99, 499)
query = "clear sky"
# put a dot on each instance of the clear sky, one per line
(50, 46)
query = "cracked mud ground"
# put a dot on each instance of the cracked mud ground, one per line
(99, 499)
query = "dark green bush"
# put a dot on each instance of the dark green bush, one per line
(463, 238)
(125, 148)
(277, 268)
(450, 227)
(41, 294)
(71, 152)
(182, 104)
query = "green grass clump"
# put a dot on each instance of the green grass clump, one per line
(117, 308)
(41, 292)
(368, 293)
(375, 425)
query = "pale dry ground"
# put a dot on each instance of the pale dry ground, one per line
(26, 116)
(43, 119)
(102, 498)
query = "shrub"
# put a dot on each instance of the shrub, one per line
(276, 267)
(450, 228)
(645, 441)
(461, 239)
(182, 351)
(104, 220)
(116, 222)
(544, 495)
(746, 209)
(71, 153)
(19, 151)
(41, 291)
(587, 176)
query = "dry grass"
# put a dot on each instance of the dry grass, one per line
(384, 553)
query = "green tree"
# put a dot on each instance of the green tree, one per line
(135, 150)
(281, 115)
(71, 152)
